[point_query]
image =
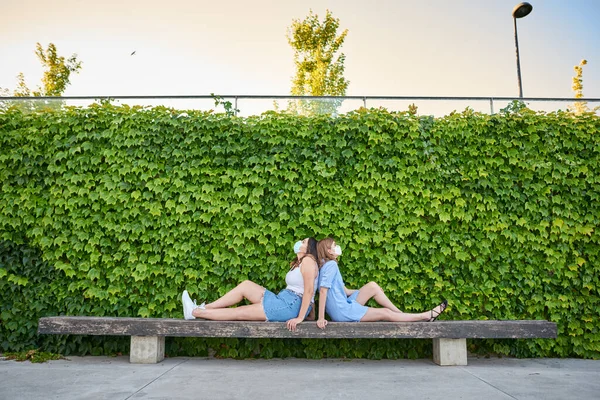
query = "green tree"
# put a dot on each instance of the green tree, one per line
(56, 78)
(581, 106)
(57, 70)
(22, 90)
(319, 63)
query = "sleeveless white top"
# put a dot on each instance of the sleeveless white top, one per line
(295, 282)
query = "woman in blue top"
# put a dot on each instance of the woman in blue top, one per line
(348, 305)
(292, 304)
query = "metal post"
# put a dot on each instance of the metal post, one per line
(491, 106)
(518, 60)
(235, 109)
(364, 102)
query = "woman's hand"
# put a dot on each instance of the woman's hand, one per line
(322, 323)
(291, 324)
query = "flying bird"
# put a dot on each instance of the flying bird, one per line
(133, 52)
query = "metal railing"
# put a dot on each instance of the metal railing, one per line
(439, 104)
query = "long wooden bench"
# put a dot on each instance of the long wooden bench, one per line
(148, 334)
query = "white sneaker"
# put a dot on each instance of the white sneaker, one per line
(188, 305)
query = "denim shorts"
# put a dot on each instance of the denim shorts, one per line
(283, 306)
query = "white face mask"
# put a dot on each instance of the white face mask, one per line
(337, 250)
(297, 246)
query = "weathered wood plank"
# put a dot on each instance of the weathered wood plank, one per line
(242, 329)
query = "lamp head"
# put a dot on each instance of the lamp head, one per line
(522, 10)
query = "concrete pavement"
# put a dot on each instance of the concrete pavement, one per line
(208, 378)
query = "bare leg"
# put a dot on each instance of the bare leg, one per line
(253, 312)
(385, 314)
(247, 289)
(372, 291)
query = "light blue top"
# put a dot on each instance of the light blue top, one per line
(339, 307)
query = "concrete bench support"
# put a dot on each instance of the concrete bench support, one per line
(450, 351)
(147, 349)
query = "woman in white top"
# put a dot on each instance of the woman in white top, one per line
(292, 304)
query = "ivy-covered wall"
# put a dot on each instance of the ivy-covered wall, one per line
(113, 211)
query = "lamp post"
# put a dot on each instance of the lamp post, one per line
(520, 11)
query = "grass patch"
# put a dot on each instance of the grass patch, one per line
(34, 356)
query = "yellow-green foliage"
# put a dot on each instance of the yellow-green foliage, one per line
(113, 211)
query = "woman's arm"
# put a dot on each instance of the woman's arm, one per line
(322, 322)
(307, 269)
(349, 291)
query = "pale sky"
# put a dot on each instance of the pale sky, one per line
(393, 48)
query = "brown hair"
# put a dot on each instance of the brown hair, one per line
(322, 251)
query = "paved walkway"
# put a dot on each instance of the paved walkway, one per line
(207, 378)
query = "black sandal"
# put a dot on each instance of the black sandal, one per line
(443, 307)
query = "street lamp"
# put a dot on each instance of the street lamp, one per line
(520, 11)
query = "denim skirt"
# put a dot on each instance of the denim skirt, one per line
(283, 306)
